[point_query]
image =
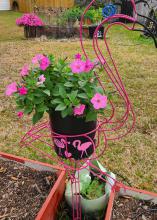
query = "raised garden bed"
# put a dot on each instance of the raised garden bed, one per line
(132, 204)
(58, 32)
(29, 189)
(51, 32)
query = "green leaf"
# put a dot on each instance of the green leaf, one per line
(51, 58)
(73, 95)
(99, 89)
(30, 97)
(37, 116)
(28, 110)
(64, 113)
(47, 92)
(67, 102)
(56, 101)
(91, 116)
(82, 83)
(41, 86)
(62, 91)
(38, 101)
(68, 84)
(55, 92)
(60, 107)
(42, 107)
(82, 95)
(38, 94)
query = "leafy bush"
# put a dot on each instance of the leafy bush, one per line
(72, 14)
(95, 15)
(70, 88)
(95, 190)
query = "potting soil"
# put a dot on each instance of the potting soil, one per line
(22, 190)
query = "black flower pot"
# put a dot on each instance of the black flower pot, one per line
(100, 32)
(76, 147)
(30, 31)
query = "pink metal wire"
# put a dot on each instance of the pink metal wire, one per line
(109, 128)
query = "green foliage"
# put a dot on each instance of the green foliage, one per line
(62, 90)
(72, 14)
(94, 15)
(93, 191)
(75, 13)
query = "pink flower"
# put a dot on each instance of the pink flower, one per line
(23, 90)
(41, 79)
(42, 60)
(79, 110)
(99, 101)
(77, 66)
(88, 66)
(25, 70)
(11, 88)
(44, 63)
(37, 58)
(29, 20)
(78, 56)
(20, 114)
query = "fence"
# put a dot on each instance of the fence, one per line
(28, 5)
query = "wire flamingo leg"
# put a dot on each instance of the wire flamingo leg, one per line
(75, 191)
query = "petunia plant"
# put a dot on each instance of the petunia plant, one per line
(70, 88)
(29, 19)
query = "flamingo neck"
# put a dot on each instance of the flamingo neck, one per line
(77, 143)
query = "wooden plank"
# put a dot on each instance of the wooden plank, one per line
(27, 5)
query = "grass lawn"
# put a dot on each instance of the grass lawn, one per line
(134, 157)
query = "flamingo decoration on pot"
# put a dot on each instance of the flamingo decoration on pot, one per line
(61, 144)
(82, 147)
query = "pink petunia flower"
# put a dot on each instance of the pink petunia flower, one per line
(79, 110)
(77, 66)
(78, 56)
(23, 90)
(20, 114)
(44, 63)
(29, 20)
(25, 70)
(37, 58)
(99, 101)
(88, 66)
(11, 88)
(41, 79)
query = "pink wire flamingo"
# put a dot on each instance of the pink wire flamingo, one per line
(114, 123)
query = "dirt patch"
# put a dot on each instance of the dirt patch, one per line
(129, 208)
(23, 190)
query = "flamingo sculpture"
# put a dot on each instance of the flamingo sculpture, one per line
(108, 125)
(82, 147)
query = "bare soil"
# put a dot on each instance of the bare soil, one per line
(129, 208)
(23, 190)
